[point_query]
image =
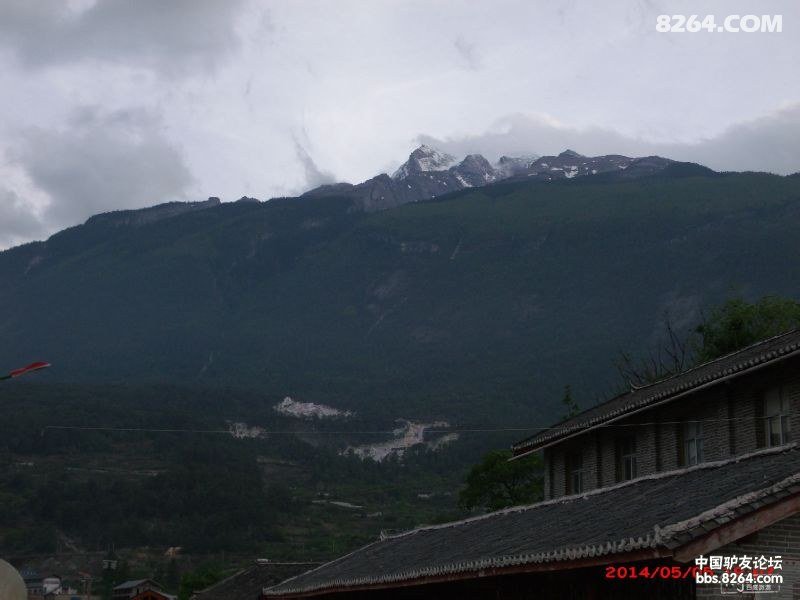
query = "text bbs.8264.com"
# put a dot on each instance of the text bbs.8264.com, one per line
(733, 574)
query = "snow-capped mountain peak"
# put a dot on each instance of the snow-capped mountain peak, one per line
(474, 171)
(424, 159)
(429, 173)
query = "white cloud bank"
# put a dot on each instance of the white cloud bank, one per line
(770, 143)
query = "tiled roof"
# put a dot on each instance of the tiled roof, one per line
(249, 583)
(760, 354)
(132, 583)
(660, 512)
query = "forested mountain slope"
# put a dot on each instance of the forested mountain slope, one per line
(478, 306)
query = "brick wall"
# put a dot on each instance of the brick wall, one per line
(559, 473)
(792, 390)
(781, 538)
(732, 426)
(548, 473)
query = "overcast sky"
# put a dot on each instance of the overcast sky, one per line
(128, 103)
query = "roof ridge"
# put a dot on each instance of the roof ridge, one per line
(711, 361)
(724, 508)
(130, 582)
(548, 433)
(602, 490)
(226, 579)
(326, 564)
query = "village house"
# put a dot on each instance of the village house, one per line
(51, 585)
(699, 464)
(33, 583)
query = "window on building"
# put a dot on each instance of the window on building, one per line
(627, 466)
(776, 417)
(693, 442)
(575, 473)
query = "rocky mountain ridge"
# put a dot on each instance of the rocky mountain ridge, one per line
(429, 173)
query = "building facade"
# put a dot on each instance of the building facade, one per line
(730, 416)
(140, 589)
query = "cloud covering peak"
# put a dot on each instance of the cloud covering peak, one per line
(768, 143)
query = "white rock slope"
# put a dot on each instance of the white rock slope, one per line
(309, 410)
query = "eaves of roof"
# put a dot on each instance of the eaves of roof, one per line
(736, 364)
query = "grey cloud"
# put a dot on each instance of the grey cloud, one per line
(468, 53)
(20, 223)
(100, 162)
(770, 143)
(314, 175)
(521, 135)
(167, 36)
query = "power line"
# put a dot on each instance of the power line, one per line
(533, 428)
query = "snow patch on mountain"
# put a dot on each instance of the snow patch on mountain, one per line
(309, 410)
(241, 431)
(409, 434)
(423, 160)
(460, 178)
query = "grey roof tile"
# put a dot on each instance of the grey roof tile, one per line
(665, 511)
(249, 583)
(132, 583)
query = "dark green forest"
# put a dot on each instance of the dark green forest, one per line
(200, 488)
(494, 297)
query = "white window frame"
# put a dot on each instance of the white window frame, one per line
(575, 473)
(693, 451)
(777, 418)
(628, 461)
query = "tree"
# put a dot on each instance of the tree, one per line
(570, 406)
(673, 355)
(738, 323)
(730, 326)
(204, 576)
(497, 482)
(172, 577)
